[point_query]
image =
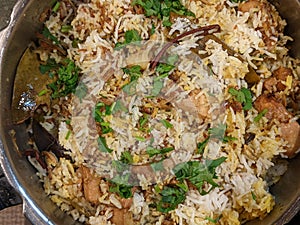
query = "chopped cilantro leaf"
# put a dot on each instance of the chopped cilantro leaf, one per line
(103, 146)
(151, 7)
(120, 166)
(120, 186)
(46, 32)
(151, 140)
(50, 65)
(213, 220)
(201, 146)
(67, 78)
(97, 113)
(108, 110)
(75, 43)
(157, 86)
(68, 135)
(243, 96)
(131, 36)
(139, 138)
(118, 106)
(42, 92)
(81, 90)
(229, 138)
(152, 31)
(101, 110)
(163, 68)
(166, 124)
(171, 196)
(143, 120)
(56, 6)
(163, 9)
(253, 195)
(123, 190)
(105, 127)
(154, 151)
(126, 157)
(217, 132)
(213, 164)
(198, 173)
(142, 125)
(248, 98)
(68, 122)
(172, 59)
(164, 75)
(130, 88)
(260, 115)
(157, 188)
(134, 73)
(238, 94)
(66, 28)
(157, 166)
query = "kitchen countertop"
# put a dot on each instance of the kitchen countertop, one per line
(11, 212)
(10, 204)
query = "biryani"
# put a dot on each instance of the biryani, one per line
(164, 112)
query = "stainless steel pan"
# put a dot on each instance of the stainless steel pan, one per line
(37, 207)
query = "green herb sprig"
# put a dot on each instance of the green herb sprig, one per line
(126, 157)
(260, 115)
(66, 75)
(134, 73)
(56, 7)
(100, 111)
(118, 106)
(243, 96)
(218, 132)
(163, 69)
(171, 196)
(198, 173)
(81, 90)
(201, 146)
(131, 36)
(163, 9)
(151, 151)
(157, 166)
(46, 32)
(214, 220)
(166, 124)
(120, 185)
(102, 145)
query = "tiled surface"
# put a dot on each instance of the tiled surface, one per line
(10, 204)
(12, 215)
(8, 196)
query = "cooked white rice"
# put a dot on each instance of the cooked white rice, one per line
(243, 192)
